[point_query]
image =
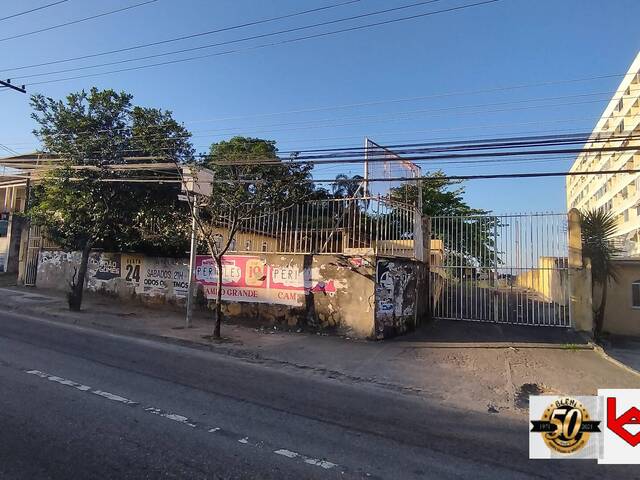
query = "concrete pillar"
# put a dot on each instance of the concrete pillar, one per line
(580, 291)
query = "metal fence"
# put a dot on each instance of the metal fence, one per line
(360, 225)
(506, 269)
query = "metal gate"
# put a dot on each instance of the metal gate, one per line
(505, 269)
(34, 245)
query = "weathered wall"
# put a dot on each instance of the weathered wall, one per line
(549, 279)
(620, 317)
(398, 307)
(321, 291)
(580, 291)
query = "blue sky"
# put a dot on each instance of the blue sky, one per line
(507, 43)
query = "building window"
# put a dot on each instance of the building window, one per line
(635, 294)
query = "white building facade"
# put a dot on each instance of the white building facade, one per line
(619, 193)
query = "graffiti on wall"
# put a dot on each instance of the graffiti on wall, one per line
(395, 294)
(245, 278)
(146, 275)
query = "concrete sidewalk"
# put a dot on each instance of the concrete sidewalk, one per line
(478, 366)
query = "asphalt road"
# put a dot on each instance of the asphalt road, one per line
(83, 403)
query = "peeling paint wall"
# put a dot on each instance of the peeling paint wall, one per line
(399, 305)
(327, 292)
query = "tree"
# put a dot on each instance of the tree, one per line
(598, 229)
(348, 187)
(470, 238)
(94, 136)
(249, 178)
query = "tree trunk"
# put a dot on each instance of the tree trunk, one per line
(599, 323)
(77, 286)
(218, 316)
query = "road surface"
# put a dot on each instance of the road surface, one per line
(84, 403)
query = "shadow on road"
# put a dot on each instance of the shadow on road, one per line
(460, 331)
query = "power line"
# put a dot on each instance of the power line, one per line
(33, 10)
(373, 103)
(330, 122)
(438, 151)
(228, 42)
(381, 179)
(271, 44)
(185, 37)
(80, 20)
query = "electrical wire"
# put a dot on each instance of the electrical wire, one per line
(387, 117)
(185, 37)
(33, 10)
(80, 20)
(381, 179)
(228, 42)
(255, 47)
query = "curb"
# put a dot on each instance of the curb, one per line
(496, 345)
(616, 362)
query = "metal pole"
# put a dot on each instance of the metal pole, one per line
(192, 264)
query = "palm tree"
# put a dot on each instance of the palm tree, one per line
(347, 187)
(598, 229)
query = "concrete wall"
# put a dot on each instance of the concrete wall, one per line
(620, 317)
(331, 292)
(549, 279)
(399, 308)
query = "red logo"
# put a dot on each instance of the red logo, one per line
(630, 417)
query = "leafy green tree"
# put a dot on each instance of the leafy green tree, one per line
(470, 238)
(249, 179)
(598, 229)
(92, 199)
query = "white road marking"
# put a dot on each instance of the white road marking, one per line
(171, 416)
(311, 461)
(286, 453)
(81, 387)
(320, 463)
(60, 380)
(114, 397)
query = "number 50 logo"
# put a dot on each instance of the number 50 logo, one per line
(565, 425)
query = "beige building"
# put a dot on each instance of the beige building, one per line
(12, 202)
(618, 127)
(622, 312)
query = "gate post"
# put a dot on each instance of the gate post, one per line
(580, 292)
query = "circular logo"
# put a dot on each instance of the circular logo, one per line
(567, 420)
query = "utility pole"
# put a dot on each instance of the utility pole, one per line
(8, 84)
(192, 262)
(197, 183)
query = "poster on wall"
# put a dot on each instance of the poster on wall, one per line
(164, 276)
(385, 288)
(106, 266)
(250, 279)
(131, 268)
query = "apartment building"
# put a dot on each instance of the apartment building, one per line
(619, 126)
